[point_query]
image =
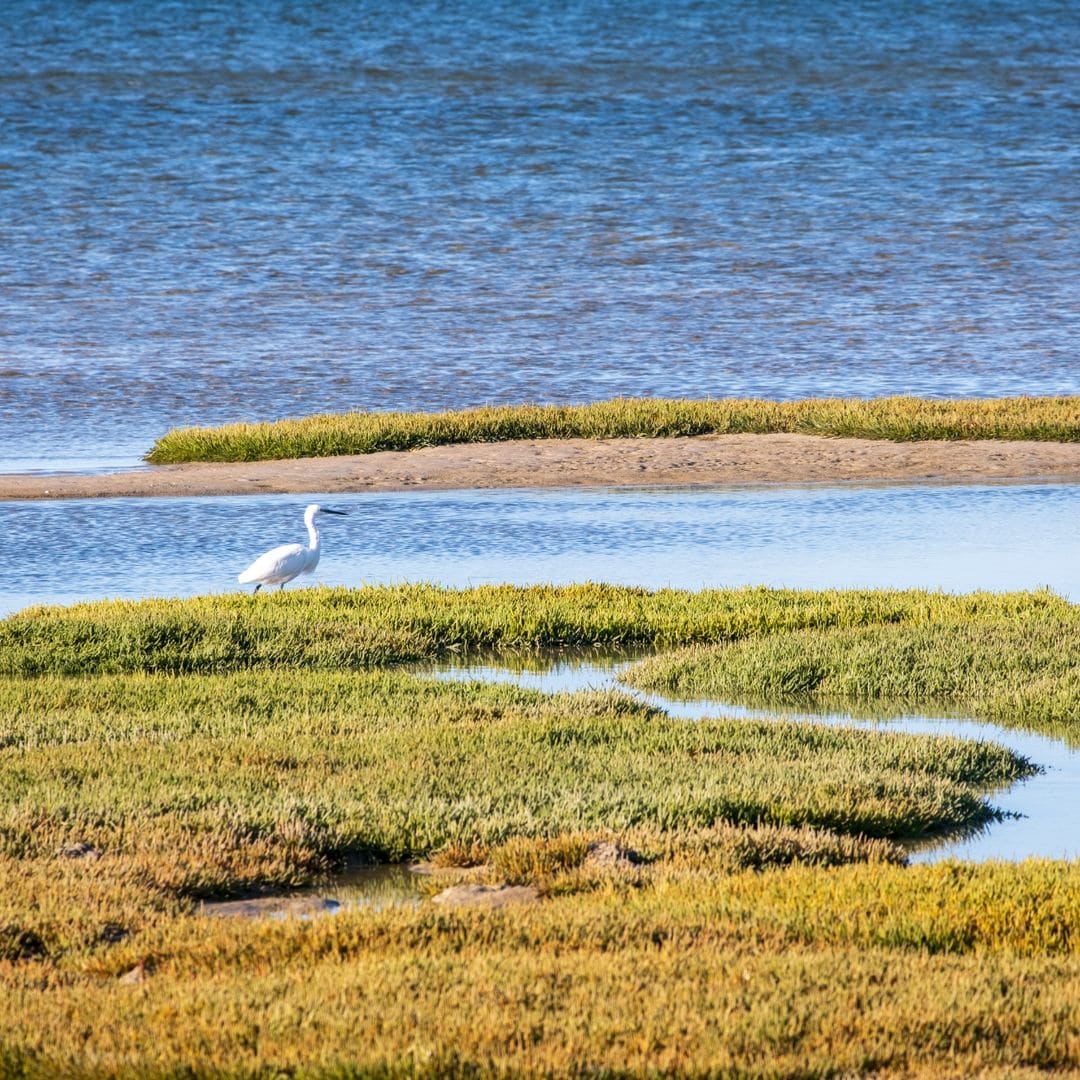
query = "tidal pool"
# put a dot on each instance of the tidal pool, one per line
(372, 888)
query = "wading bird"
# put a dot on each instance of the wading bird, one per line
(282, 564)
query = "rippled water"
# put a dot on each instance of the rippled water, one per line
(958, 538)
(220, 211)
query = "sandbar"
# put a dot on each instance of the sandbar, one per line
(697, 461)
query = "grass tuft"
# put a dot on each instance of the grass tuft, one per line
(348, 629)
(1015, 672)
(901, 419)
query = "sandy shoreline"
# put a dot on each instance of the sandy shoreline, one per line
(703, 460)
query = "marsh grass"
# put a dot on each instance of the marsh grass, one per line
(562, 864)
(1015, 673)
(931, 971)
(334, 629)
(254, 779)
(224, 745)
(899, 418)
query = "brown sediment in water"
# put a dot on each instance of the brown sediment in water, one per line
(699, 460)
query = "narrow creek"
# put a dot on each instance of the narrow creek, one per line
(1040, 813)
(933, 536)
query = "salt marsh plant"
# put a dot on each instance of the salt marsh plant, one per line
(311, 768)
(159, 752)
(925, 971)
(1012, 671)
(332, 629)
(898, 418)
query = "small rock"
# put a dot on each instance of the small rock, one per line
(79, 850)
(607, 856)
(487, 896)
(429, 869)
(138, 974)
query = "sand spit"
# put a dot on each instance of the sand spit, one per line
(702, 460)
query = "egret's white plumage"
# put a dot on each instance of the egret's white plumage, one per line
(282, 564)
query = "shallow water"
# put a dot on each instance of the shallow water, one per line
(373, 888)
(1042, 810)
(957, 538)
(218, 212)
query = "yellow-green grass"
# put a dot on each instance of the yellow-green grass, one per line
(928, 971)
(1054, 419)
(1013, 672)
(223, 744)
(334, 629)
(267, 778)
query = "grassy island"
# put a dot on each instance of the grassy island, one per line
(157, 754)
(898, 418)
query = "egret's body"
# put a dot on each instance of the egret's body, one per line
(281, 564)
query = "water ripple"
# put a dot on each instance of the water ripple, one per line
(230, 212)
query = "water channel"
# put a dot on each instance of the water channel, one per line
(1038, 819)
(1040, 813)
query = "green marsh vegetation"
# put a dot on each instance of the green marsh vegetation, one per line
(224, 745)
(899, 419)
(1013, 672)
(349, 629)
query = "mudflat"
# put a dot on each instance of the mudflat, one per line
(700, 460)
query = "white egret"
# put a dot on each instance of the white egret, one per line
(282, 564)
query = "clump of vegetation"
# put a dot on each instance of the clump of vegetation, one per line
(1020, 672)
(573, 862)
(898, 418)
(334, 629)
(863, 970)
(228, 782)
(156, 753)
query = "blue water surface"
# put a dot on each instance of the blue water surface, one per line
(959, 538)
(221, 211)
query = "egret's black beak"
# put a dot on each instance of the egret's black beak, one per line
(340, 513)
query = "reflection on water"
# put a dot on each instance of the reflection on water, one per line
(372, 888)
(957, 538)
(1040, 813)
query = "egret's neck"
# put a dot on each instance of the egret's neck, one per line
(313, 534)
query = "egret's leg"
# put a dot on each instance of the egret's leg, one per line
(281, 586)
(257, 588)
